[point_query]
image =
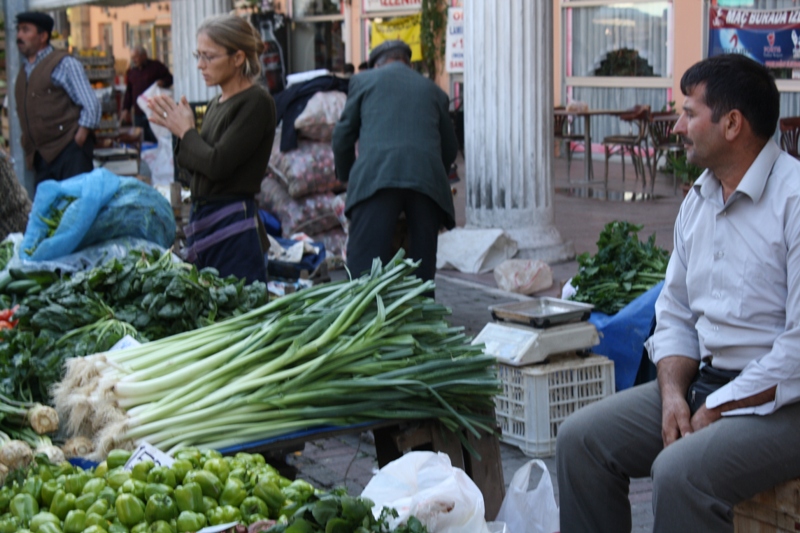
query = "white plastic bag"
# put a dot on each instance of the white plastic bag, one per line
(427, 486)
(320, 115)
(533, 511)
(523, 276)
(160, 158)
(474, 251)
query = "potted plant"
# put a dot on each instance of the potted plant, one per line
(685, 171)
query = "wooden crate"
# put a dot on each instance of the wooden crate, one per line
(774, 511)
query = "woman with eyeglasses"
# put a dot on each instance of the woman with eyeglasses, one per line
(228, 158)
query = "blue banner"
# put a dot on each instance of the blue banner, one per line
(770, 37)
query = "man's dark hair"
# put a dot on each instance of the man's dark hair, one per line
(392, 55)
(363, 66)
(734, 81)
(349, 68)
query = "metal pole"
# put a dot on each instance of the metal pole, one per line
(13, 65)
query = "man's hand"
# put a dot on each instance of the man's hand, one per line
(125, 116)
(81, 135)
(675, 373)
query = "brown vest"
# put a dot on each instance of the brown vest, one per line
(47, 115)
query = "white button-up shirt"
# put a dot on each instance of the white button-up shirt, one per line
(732, 289)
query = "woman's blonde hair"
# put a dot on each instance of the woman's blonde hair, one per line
(235, 33)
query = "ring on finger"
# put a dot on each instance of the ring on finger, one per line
(165, 114)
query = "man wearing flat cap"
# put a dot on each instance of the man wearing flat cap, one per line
(57, 107)
(406, 144)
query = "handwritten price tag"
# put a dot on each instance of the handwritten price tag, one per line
(147, 451)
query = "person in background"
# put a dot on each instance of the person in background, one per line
(16, 205)
(228, 159)
(57, 107)
(722, 421)
(406, 144)
(143, 73)
(363, 66)
(349, 69)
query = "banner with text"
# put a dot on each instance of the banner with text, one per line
(770, 37)
(376, 6)
(454, 54)
(407, 29)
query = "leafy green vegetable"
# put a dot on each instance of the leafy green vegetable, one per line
(623, 268)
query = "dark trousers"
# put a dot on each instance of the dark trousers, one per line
(72, 160)
(140, 121)
(372, 227)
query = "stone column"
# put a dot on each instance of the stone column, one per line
(508, 103)
(187, 15)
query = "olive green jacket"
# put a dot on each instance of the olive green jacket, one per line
(405, 137)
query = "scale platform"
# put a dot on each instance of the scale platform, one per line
(529, 332)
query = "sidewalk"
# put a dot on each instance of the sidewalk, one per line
(350, 461)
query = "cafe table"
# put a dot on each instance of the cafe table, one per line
(587, 115)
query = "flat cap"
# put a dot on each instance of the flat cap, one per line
(388, 46)
(42, 21)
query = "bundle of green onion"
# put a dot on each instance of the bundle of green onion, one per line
(368, 349)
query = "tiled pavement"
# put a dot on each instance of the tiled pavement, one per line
(350, 460)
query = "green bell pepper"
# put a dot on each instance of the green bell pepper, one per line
(85, 501)
(209, 503)
(75, 522)
(180, 468)
(117, 458)
(130, 509)
(117, 527)
(94, 486)
(23, 506)
(162, 474)
(49, 490)
(76, 482)
(95, 529)
(42, 518)
(6, 493)
(160, 507)
(189, 497)
(33, 486)
(151, 489)
(9, 524)
(135, 487)
(109, 495)
(63, 502)
(141, 469)
(161, 526)
(99, 507)
(299, 490)
(209, 483)
(140, 528)
(48, 527)
(218, 467)
(233, 493)
(96, 520)
(190, 454)
(252, 506)
(63, 469)
(271, 494)
(189, 521)
(101, 470)
(208, 453)
(223, 515)
(117, 477)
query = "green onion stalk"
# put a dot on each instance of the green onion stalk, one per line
(371, 348)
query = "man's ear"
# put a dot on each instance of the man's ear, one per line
(734, 123)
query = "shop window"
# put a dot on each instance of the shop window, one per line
(318, 45)
(315, 8)
(624, 62)
(596, 32)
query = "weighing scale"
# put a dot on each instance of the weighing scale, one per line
(530, 331)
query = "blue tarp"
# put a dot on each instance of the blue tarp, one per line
(622, 335)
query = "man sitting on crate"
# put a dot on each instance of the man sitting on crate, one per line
(731, 301)
(57, 107)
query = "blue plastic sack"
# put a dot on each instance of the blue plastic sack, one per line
(136, 210)
(93, 190)
(622, 335)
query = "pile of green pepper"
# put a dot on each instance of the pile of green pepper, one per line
(201, 488)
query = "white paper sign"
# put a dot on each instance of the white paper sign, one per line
(148, 451)
(454, 53)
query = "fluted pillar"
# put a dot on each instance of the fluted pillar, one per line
(508, 103)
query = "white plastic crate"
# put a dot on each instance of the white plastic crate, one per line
(537, 398)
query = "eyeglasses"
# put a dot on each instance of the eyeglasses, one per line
(205, 57)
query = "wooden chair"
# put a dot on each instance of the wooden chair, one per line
(664, 142)
(634, 143)
(790, 135)
(562, 131)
